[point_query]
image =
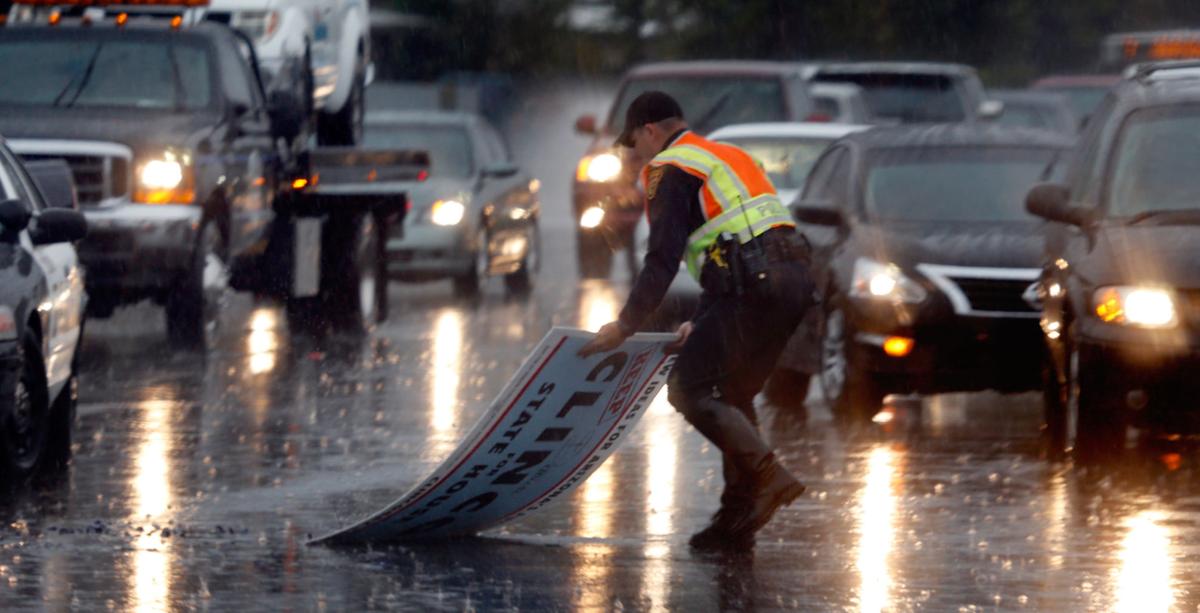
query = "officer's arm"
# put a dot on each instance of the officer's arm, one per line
(670, 199)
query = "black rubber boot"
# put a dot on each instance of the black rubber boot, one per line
(776, 488)
(719, 536)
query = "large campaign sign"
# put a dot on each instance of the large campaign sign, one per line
(555, 423)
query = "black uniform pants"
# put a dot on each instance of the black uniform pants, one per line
(726, 360)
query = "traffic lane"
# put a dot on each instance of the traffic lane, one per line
(198, 478)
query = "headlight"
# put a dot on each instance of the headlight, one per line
(165, 180)
(591, 218)
(447, 212)
(878, 281)
(599, 168)
(1144, 307)
(257, 25)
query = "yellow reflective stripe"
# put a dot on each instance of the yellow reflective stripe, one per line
(762, 207)
(725, 184)
(733, 180)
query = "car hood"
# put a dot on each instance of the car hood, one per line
(144, 132)
(1146, 254)
(991, 245)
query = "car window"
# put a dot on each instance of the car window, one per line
(1090, 167)
(711, 102)
(949, 184)
(905, 98)
(1020, 115)
(498, 148)
(236, 79)
(449, 147)
(788, 161)
(1154, 166)
(822, 183)
(20, 184)
(103, 73)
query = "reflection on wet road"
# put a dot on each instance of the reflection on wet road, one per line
(197, 480)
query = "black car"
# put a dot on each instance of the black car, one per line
(171, 146)
(1121, 284)
(41, 318)
(927, 262)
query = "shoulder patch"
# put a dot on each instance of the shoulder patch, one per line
(652, 181)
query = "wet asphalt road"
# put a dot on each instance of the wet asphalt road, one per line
(197, 479)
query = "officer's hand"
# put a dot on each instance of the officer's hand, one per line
(608, 338)
(682, 334)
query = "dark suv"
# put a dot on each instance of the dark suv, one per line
(1120, 283)
(607, 200)
(926, 260)
(914, 92)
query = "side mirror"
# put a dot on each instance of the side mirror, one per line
(287, 115)
(14, 215)
(56, 183)
(818, 214)
(586, 124)
(990, 109)
(58, 226)
(500, 170)
(1051, 201)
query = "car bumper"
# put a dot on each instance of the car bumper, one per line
(138, 246)
(433, 252)
(1153, 374)
(949, 352)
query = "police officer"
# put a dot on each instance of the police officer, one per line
(713, 206)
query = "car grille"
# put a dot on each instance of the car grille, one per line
(97, 177)
(995, 295)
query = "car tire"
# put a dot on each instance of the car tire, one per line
(469, 284)
(352, 296)
(520, 282)
(344, 127)
(854, 396)
(26, 421)
(62, 423)
(194, 306)
(787, 389)
(594, 256)
(1096, 409)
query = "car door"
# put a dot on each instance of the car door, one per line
(250, 158)
(61, 309)
(827, 187)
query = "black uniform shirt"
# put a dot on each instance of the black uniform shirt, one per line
(673, 205)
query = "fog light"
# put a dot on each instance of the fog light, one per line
(897, 346)
(591, 218)
(886, 416)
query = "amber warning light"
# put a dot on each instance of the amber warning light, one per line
(87, 3)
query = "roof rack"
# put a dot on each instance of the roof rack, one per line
(1143, 72)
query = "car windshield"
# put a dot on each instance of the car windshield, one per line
(905, 98)
(954, 184)
(1025, 115)
(787, 161)
(1156, 161)
(449, 147)
(83, 72)
(711, 102)
(1082, 99)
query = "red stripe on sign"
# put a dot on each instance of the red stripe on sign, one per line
(571, 472)
(398, 510)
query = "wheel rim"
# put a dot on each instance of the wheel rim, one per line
(833, 356)
(214, 282)
(366, 270)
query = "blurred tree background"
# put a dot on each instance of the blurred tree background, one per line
(1010, 41)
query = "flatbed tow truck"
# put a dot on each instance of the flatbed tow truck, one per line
(194, 180)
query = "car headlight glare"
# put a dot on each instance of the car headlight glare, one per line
(165, 180)
(1143, 307)
(879, 281)
(591, 218)
(447, 212)
(599, 168)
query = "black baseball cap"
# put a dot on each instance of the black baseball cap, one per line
(649, 107)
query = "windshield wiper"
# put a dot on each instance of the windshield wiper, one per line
(83, 81)
(712, 111)
(1178, 216)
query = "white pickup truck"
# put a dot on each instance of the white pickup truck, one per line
(317, 48)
